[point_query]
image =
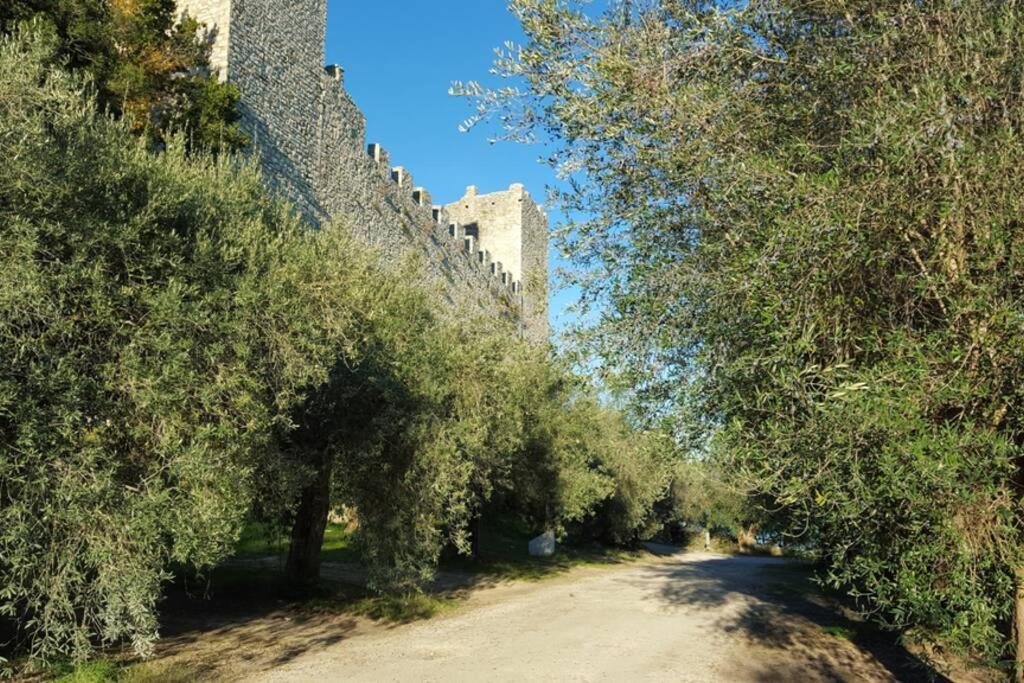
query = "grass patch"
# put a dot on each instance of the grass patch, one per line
(159, 672)
(266, 540)
(337, 598)
(261, 540)
(339, 545)
(402, 609)
(96, 671)
(107, 670)
(503, 554)
(843, 632)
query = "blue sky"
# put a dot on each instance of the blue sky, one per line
(400, 57)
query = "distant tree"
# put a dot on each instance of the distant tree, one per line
(798, 221)
(149, 64)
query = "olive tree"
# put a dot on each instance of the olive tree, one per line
(160, 318)
(798, 225)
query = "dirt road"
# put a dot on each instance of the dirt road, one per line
(687, 618)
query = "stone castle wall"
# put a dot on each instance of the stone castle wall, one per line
(535, 313)
(311, 139)
(382, 205)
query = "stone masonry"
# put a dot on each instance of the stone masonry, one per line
(514, 230)
(483, 253)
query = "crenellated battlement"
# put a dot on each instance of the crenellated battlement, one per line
(485, 252)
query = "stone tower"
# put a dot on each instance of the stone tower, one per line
(484, 252)
(514, 230)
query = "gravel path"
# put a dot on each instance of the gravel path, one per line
(687, 618)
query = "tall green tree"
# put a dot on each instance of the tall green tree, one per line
(149, 63)
(160, 320)
(801, 229)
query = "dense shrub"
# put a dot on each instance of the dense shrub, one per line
(178, 350)
(446, 416)
(159, 319)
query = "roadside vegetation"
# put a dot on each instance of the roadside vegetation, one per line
(799, 235)
(189, 373)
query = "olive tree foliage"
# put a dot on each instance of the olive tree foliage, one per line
(448, 415)
(800, 227)
(160, 319)
(420, 447)
(579, 466)
(445, 416)
(556, 477)
(177, 351)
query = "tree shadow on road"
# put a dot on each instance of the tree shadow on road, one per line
(772, 605)
(251, 627)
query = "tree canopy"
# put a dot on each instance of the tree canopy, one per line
(798, 231)
(148, 61)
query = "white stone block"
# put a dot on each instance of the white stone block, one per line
(543, 545)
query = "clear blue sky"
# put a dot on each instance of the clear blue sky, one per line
(400, 57)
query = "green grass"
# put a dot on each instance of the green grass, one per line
(843, 632)
(338, 545)
(261, 540)
(392, 609)
(265, 540)
(503, 553)
(96, 671)
(107, 670)
(504, 557)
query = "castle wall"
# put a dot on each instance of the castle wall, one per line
(311, 140)
(273, 50)
(497, 220)
(276, 59)
(216, 15)
(357, 186)
(535, 272)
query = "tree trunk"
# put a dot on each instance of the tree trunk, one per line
(475, 528)
(303, 568)
(747, 538)
(1018, 626)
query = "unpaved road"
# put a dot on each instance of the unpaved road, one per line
(687, 618)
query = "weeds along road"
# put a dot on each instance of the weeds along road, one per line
(686, 618)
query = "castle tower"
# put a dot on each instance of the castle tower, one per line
(273, 50)
(514, 230)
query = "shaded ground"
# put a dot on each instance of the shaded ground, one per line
(684, 618)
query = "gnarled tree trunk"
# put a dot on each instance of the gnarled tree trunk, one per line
(747, 538)
(303, 567)
(475, 528)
